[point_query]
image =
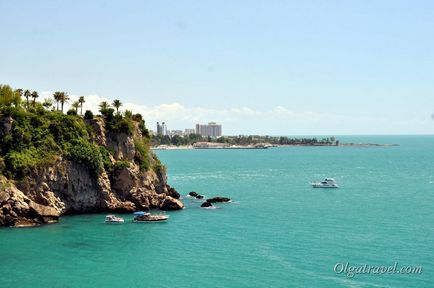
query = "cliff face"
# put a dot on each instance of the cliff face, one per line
(71, 187)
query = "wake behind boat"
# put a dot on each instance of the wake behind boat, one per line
(326, 183)
(145, 217)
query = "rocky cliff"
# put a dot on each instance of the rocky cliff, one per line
(128, 180)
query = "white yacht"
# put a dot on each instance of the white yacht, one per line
(113, 219)
(143, 217)
(326, 183)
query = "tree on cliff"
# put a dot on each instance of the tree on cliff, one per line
(75, 105)
(57, 96)
(117, 104)
(103, 106)
(17, 97)
(81, 101)
(48, 102)
(64, 98)
(27, 94)
(8, 96)
(34, 96)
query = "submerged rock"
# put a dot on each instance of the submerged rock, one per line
(199, 197)
(218, 199)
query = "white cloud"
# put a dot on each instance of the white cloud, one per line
(274, 121)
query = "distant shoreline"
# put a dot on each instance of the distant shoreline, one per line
(250, 147)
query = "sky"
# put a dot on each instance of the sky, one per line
(256, 67)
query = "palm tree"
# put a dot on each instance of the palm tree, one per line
(63, 99)
(34, 96)
(128, 114)
(104, 105)
(48, 103)
(81, 101)
(27, 95)
(117, 104)
(17, 98)
(75, 105)
(57, 96)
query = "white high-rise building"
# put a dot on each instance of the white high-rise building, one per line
(161, 129)
(212, 129)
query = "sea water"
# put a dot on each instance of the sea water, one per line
(277, 232)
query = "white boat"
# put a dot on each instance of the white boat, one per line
(326, 183)
(146, 217)
(113, 219)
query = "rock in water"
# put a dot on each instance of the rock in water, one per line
(199, 197)
(170, 203)
(218, 199)
(193, 194)
(173, 193)
(20, 211)
(206, 204)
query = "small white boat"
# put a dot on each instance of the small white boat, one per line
(326, 183)
(113, 219)
(146, 217)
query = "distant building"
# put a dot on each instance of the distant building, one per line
(161, 129)
(164, 128)
(212, 129)
(189, 131)
(176, 132)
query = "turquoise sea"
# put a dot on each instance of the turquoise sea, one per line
(278, 232)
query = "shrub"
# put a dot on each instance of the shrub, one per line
(2, 165)
(71, 112)
(105, 154)
(119, 124)
(121, 164)
(87, 154)
(142, 154)
(88, 115)
(157, 166)
(20, 163)
(137, 117)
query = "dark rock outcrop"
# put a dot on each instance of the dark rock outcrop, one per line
(173, 193)
(218, 199)
(206, 204)
(195, 194)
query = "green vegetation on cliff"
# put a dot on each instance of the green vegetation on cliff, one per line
(34, 134)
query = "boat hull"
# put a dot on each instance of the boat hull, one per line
(149, 219)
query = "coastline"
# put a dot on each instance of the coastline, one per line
(252, 147)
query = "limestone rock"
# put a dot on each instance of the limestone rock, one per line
(170, 203)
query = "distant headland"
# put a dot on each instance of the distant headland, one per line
(195, 141)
